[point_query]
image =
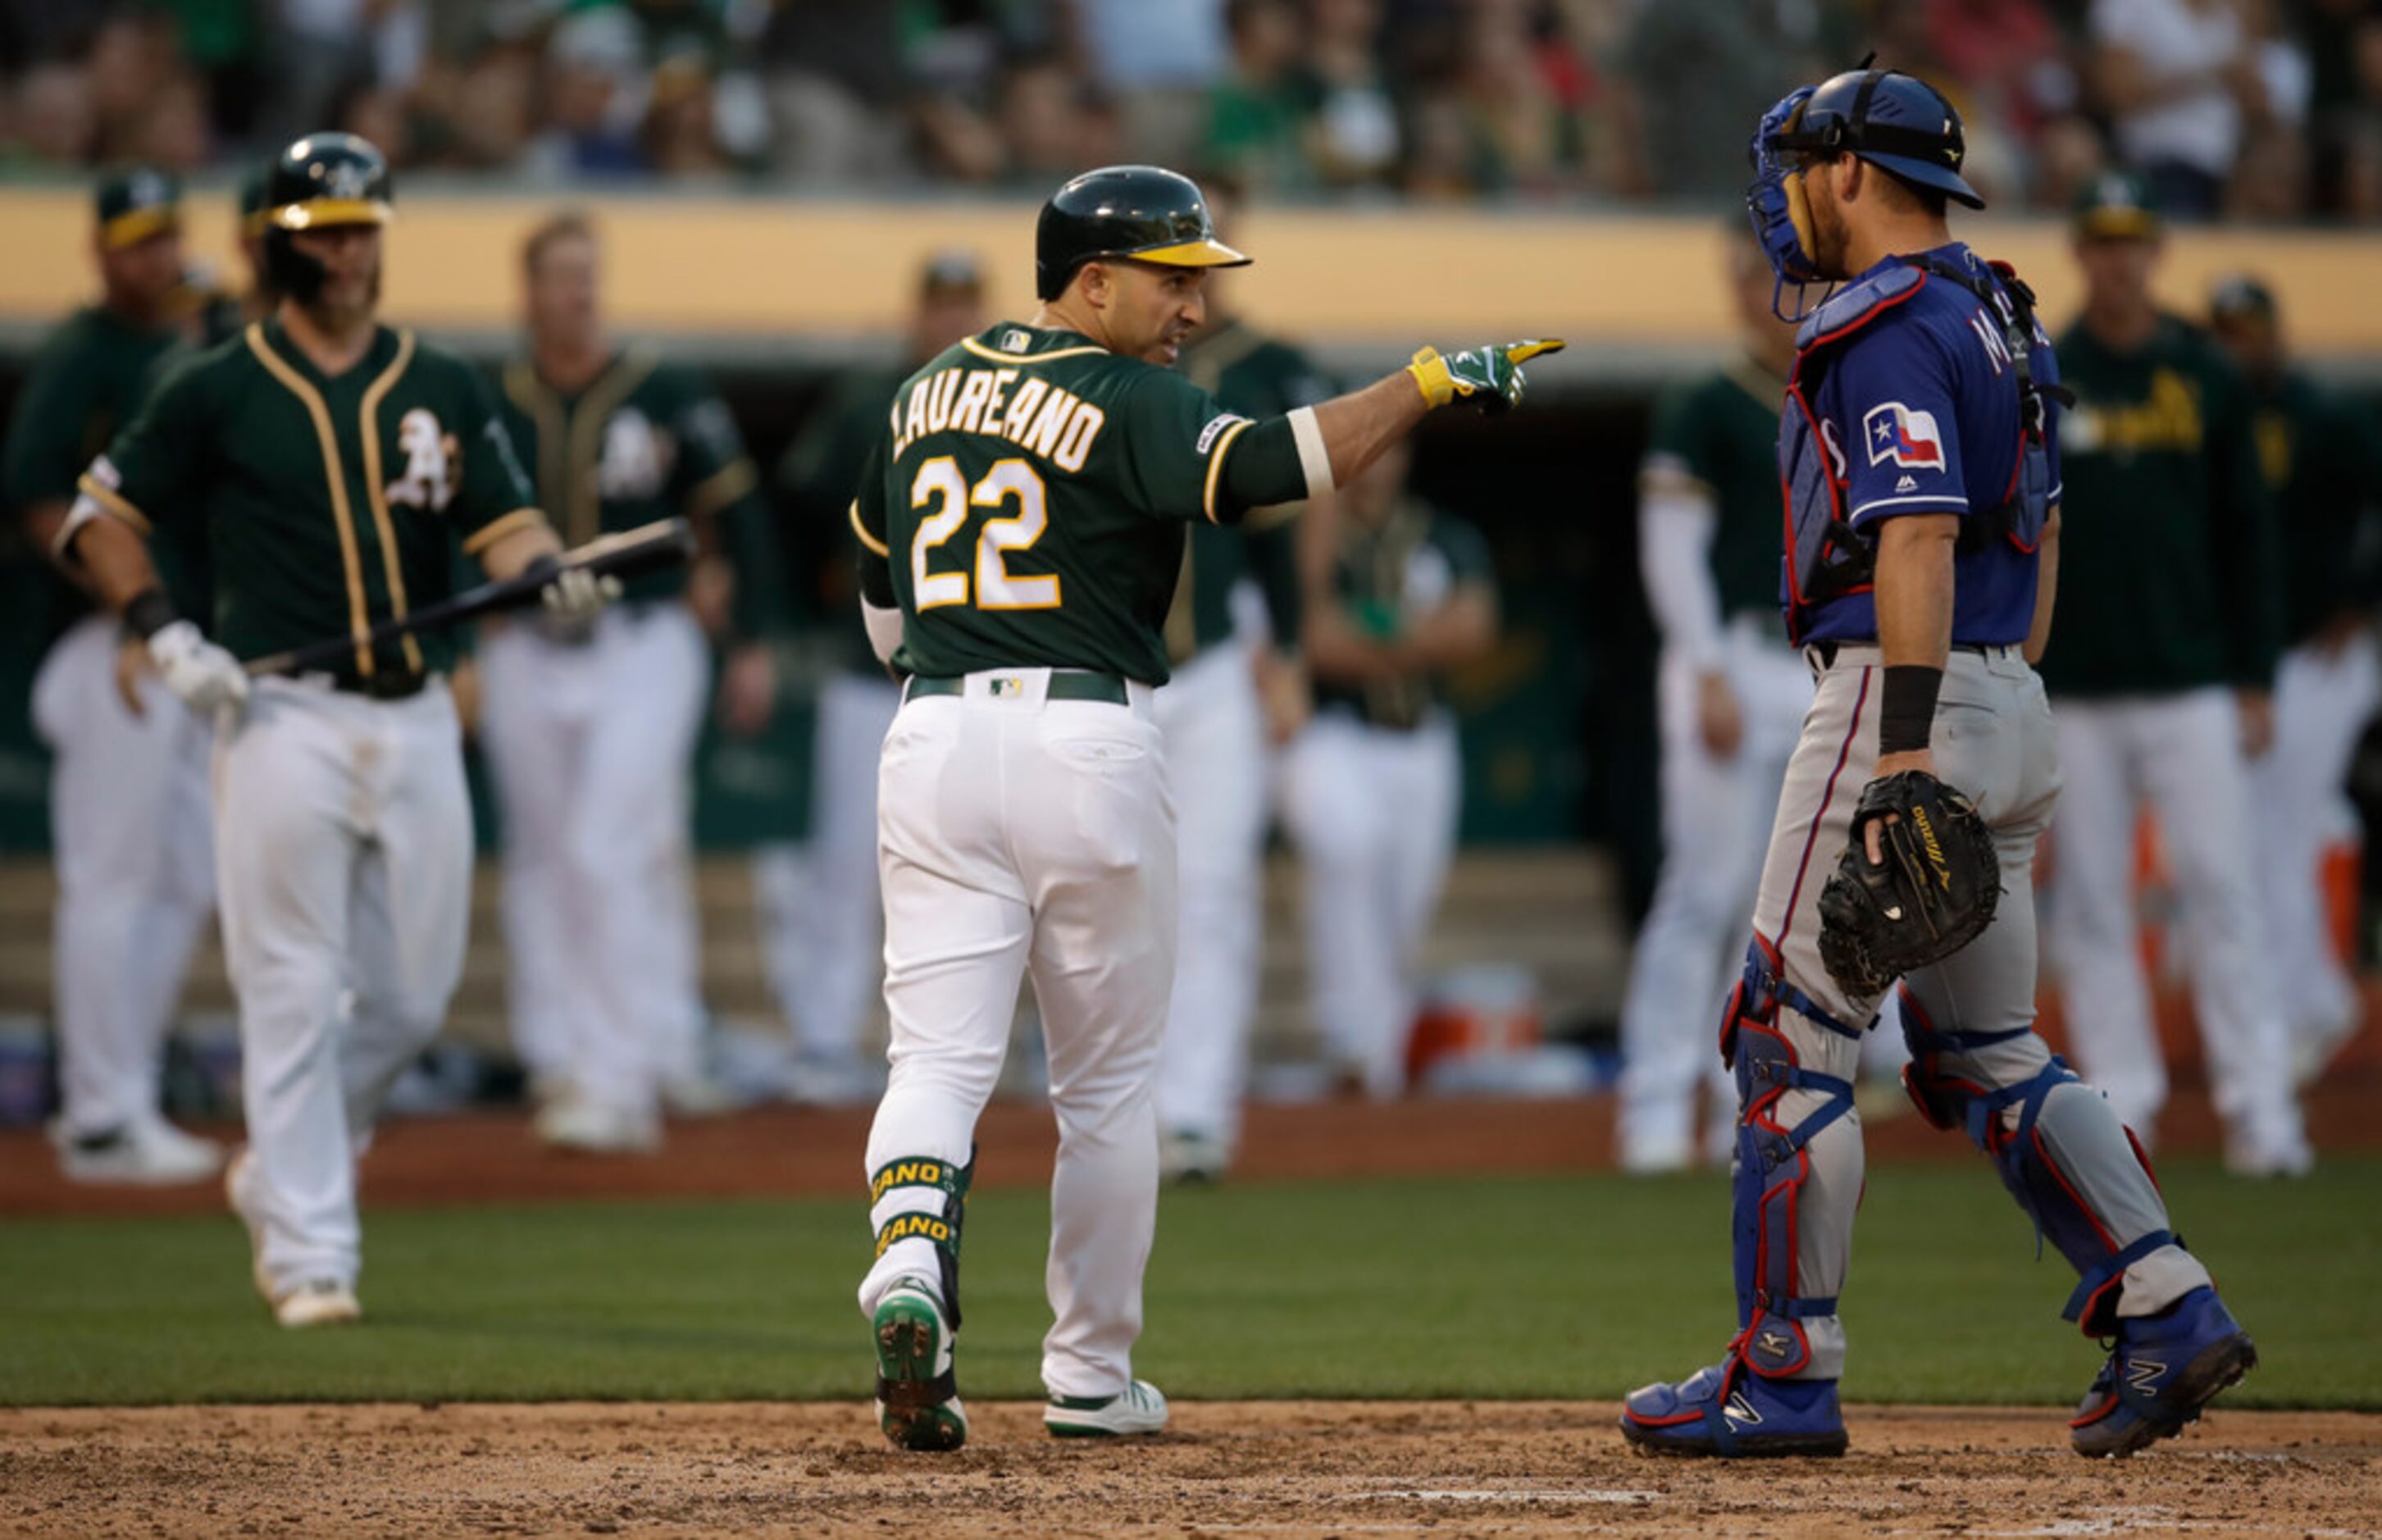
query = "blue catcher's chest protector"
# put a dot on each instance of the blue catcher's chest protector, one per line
(1827, 558)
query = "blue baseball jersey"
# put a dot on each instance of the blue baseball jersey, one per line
(1919, 410)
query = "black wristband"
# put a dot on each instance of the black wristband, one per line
(1906, 710)
(149, 612)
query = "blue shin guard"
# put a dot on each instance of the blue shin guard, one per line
(2054, 1198)
(1747, 1406)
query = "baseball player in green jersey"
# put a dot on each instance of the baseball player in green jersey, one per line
(2321, 454)
(332, 466)
(1730, 698)
(2160, 669)
(591, 731)
(1371, 789)
(1236, 683)
(129, 822)
(821, 917)
(1022, 524)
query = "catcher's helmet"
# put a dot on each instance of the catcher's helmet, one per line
(1143, 212)
(322, 179)
(1894, 121)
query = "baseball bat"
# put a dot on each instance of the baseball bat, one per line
(663, 543)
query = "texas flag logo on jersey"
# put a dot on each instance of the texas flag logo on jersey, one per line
(1910, 439)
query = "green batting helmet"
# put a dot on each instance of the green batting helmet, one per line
(322, 179)
(1145, 213)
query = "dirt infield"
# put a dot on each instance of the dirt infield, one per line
(1273, 1468)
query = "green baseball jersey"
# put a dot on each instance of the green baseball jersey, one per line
(2167, 575)
(324, 505)
(84, 385)
(647, 440)
(2321, 454)
(1026, 501)
(816, 479)
(1249, 372)
(1720, 434)
(1388, 577)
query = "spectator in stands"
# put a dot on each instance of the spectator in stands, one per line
(2178, 77)
(681, 132)
(1156, 59)
(1356, 140)
(54, 125)
(489, 115)
(131, 57)
(171, 128)
(1051, 125)
(1260, 114)
(595, 95)
(1692, 65)
(2344, 44)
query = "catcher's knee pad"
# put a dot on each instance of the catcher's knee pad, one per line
(1759, 991)
(2052, 1197)
(940, 1190)
(1773, 1165)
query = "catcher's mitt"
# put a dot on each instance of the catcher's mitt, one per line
(1933, 894)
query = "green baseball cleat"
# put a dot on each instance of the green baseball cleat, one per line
(917, 1391)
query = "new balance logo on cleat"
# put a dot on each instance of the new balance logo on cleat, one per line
(2144, 1376)
(1739, 1411)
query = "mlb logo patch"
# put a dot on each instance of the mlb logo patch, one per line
(1907, 437)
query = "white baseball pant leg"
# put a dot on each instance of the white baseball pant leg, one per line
(133, 840)
(1373, 811)
(2183, 753)
(532, 719)
(1716, 818)
(344, 856)
(1026, 835)
(1215, 728)
(2322, 705)
(822, 917)
(634, 835)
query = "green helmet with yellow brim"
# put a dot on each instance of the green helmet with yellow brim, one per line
(1144, 212)
(321, 181)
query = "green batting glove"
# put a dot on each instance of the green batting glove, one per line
(1488, 378)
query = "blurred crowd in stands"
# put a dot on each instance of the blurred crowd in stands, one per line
(2247, 110)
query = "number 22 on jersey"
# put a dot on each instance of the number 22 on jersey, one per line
(938, 482)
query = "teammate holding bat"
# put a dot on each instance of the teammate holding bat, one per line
(331, 465)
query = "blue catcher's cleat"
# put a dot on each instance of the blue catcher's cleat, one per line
(1729, 1411)
(2162, 1374)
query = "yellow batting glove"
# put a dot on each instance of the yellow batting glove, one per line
(1488, 378)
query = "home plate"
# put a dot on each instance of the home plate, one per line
(1502, 1495)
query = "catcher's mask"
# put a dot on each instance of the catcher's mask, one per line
(1897, 122)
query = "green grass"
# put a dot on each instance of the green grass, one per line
(1553, 1286)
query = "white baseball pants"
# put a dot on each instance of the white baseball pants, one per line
(344, 862)
(592, 745)
(1373, 811)
(134, 844)
(821, 919)
(1716, 818)
(1215, 728)
(2322, 703)
(1027, 836)
(2181, 754)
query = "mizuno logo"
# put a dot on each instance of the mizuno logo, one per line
(1773, 1344)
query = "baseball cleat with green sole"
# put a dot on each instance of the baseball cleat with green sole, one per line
(1139, 1409)
(917, 1390)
